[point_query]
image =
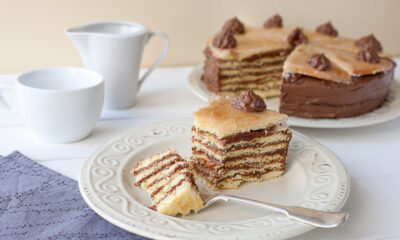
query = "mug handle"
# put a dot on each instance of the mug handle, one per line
(159, 59)
(3, 103)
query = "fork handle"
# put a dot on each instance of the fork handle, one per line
(310, 216)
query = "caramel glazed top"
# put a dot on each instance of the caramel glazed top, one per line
(342, 53)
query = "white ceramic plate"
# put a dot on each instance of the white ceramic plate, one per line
(390, 110)
(315, 178)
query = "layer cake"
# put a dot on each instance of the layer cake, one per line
(238, 140)
(274, 61)
(167, 178)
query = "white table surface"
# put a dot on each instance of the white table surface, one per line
(370, 154)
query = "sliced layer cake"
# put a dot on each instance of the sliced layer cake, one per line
(238, 140)
(170, 183)
(242, 58)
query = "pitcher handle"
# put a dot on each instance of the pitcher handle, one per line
(159, 59)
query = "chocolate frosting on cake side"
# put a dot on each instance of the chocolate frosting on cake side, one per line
(309, 97)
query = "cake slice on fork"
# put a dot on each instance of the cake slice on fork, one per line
(167, 178)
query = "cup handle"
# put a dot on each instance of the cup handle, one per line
(3, 103)
(159, 59)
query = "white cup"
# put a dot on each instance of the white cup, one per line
(114, 49)
(60, 104)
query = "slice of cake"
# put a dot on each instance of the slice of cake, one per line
(167, 178)
(241, 58)
(336, 78)
(238, 140)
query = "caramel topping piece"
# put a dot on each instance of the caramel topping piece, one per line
(234, 25)
(368, 55)
(224, 39)
(327, 29)
(249, 102)
(273, 22)
(319, 61)
(369, 42)
(297, 37)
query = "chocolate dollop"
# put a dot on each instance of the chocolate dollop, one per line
(319, 61)
(234, 25)
(368, 55)
(249, 102)
(273, 22)
(224, 39)
(369, 42)
(297, 37)
(327, 29)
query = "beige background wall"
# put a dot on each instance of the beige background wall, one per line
(31, 31)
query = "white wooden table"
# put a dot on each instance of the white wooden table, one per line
(370, 154)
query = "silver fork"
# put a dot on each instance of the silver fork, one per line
(310, 216)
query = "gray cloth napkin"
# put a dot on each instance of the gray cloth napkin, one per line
(38, 203)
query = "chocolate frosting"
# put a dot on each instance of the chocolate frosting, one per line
(309, 97)
(327, 29)
(368, 55)
(249, 102)
(319, 61)
(234, 25)
(369, 42)
(273, 22)
(297, 37)
(224, 39)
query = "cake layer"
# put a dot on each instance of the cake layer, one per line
(222, 119)
(314, 98)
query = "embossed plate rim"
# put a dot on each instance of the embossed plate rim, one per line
(387, 112)
(143, 221)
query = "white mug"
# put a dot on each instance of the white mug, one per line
(60, 104)
(115, 49)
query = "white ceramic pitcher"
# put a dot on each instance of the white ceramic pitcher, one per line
(115, 49)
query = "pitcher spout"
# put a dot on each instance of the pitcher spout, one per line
(80, 39)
